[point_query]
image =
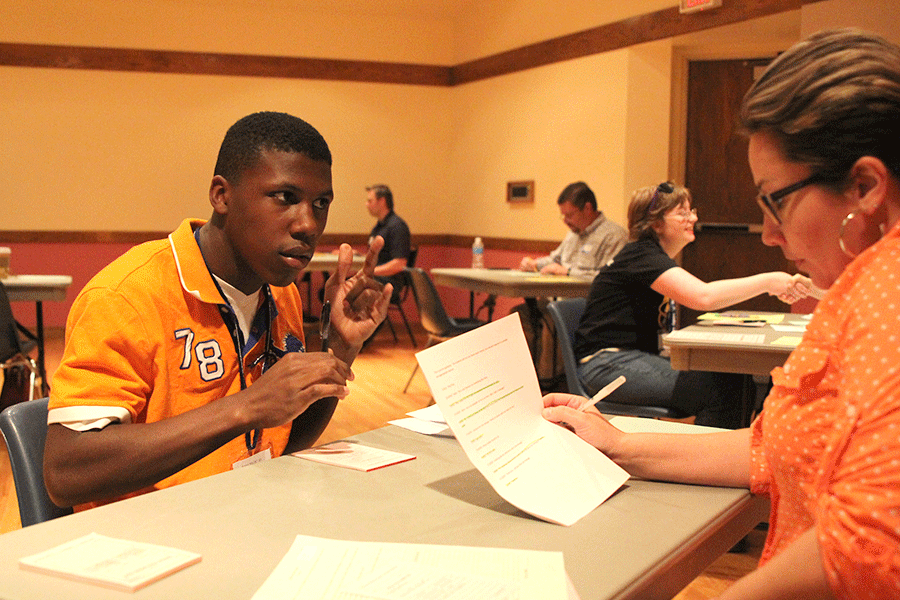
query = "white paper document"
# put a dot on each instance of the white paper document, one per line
(324, 569)
(422, 426)
(428, 420)
(110, 562)
(486, 387)
(429, 413)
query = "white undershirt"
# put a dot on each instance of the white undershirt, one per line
(84, 418)
(244, 306)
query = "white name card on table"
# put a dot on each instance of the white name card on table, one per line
(486, 387)
(422, 426)
(352, 455)
(110, 562)
(428, 420)
(717, 337)
(325, 569)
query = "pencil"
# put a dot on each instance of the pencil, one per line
(603, 393)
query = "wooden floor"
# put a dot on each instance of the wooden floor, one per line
(377, 397)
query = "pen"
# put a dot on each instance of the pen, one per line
(603, 393)
(325, 325)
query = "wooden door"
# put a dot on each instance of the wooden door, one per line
(728, 237)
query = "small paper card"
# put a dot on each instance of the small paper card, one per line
(739, 319)
(110, 562)
(353, 456)
(422, 426)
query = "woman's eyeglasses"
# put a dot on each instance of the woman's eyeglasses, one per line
(771, 203)
(684, 215)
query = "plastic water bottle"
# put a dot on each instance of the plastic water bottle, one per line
(478, 254)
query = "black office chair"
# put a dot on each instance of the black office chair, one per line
(400, 296)
(566, 315)
(14, 350)
(439, 326)
(24, 428)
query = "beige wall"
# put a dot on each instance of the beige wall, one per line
(269, 27)
(647, 120)
(134, 151)
(880, 16)
(89, 150)
(553, 125)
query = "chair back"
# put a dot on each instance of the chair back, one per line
(435, 320)
(24, 428)
(431, 310)
(566, 315)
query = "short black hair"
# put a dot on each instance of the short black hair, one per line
(578, 194)
(251, 135)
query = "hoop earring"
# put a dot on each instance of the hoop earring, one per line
(844, 223)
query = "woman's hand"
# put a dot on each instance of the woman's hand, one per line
(588, 425)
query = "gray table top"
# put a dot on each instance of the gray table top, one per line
(647, 541)
(733, 349)
(511, 283)
(37, 288)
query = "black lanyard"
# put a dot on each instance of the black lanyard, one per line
(268, 358)
(251, 439)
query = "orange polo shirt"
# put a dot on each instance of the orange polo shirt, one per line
(147, 335)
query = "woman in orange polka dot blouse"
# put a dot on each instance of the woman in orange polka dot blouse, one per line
(824, 129)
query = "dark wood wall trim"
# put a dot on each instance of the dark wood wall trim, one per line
(613, 36)
(79, 237)
(621, 34)
(328, 239)
(200, 63)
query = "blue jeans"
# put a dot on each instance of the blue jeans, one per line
(714, 398)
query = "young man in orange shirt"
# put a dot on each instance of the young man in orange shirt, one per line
(185, 357)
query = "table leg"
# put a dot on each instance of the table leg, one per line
(490, 302)
(537, 325)
(42, 370)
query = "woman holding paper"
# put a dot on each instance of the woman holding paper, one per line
(824, 125)
(628, 306)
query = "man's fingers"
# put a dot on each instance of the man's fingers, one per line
(372, 255)
(345, 262)
(364, 300)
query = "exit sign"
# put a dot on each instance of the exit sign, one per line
(690, 6)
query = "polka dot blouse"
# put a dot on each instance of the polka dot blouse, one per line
(826, 448)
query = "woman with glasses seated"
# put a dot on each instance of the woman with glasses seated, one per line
(824, 124)
(629, 306)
